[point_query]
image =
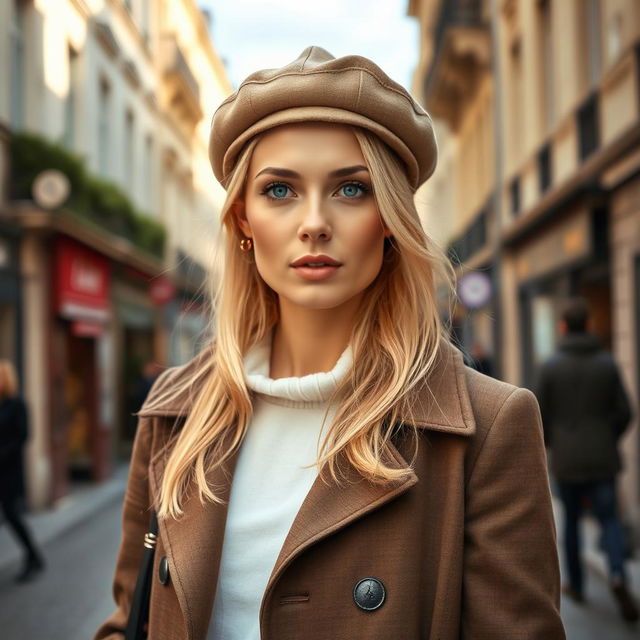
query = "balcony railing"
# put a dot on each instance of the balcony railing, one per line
(462, 49)
(471, 241)
(185, 87)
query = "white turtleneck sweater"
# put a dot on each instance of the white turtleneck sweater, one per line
(269, 485)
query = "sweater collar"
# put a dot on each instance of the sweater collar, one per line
(312, 388)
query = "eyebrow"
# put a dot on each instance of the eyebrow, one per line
(288, 173)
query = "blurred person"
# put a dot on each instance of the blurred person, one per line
(143, 383)
(479, 359)
(139, 390)
(328, 467)
(13, 436)
(585, 410)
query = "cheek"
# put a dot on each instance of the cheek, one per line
(269, 240)
(367, 242)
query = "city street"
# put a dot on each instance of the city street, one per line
(73, 596)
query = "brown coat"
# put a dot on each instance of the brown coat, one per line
(465, 547)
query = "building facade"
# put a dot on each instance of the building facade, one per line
(538, 116)
(121, 92)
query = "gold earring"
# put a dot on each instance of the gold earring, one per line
(246, 244)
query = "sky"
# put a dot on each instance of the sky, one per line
(252, 35)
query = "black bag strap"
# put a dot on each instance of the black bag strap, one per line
(139, 614)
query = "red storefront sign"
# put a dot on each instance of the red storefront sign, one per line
(82, 282)
(86, 329)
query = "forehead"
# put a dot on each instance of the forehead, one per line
(317, 142)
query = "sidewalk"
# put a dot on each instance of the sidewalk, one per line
(79, 505)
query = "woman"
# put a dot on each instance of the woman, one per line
(328, 467)
(13, 436)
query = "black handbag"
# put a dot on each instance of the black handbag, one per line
(139, 614)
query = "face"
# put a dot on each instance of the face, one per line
(309, 208)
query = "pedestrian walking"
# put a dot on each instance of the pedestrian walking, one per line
(328, 467)
(585, 410)
(13, 436)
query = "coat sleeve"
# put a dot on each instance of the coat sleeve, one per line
(135, 523)
(621, 408)
(511, 584)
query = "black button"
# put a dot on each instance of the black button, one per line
(369, 594)
(163, 570)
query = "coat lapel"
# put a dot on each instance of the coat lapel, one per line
(441, 403)
(329, 507)
(194, 544)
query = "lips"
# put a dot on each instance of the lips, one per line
(316, 261)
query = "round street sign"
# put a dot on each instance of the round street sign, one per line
(50, 188)
(474, 289)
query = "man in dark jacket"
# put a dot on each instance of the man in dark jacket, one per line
(584, 410)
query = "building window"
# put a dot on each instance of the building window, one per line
(149, 186)
(590, 58)
(545, 40)
(104, 128)
(70, 102)
(17, 53)
(614, 37)
(514, 194)
(515, 102)
(544, 168)
(129, 149)
(145, 21)
(588, 127)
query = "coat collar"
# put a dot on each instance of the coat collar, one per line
(194, 542)
(441, 402)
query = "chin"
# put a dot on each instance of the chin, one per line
(317, 299)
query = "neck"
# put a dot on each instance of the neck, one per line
(309, 341)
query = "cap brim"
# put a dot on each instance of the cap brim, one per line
(316, 114)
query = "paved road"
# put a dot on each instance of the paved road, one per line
(598, 619)
(73, 597)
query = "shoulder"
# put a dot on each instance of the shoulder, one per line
(488, 395)
(501, 407)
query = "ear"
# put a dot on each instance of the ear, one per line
(239, 212)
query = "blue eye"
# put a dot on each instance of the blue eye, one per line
(354, 189)
(276, 191)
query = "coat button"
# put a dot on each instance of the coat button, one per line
(163, 570)
(369, 594)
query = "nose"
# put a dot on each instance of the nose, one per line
(315, 224)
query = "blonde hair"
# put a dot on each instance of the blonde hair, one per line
(394, 343)
(8, 379)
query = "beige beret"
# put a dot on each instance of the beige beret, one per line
(318, 87)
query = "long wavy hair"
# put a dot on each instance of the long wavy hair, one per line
(394, 344)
